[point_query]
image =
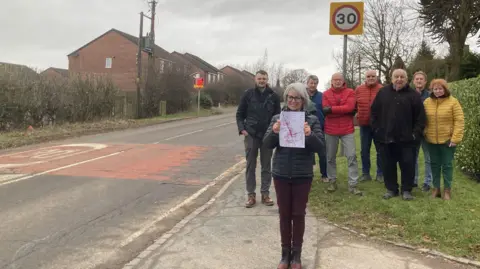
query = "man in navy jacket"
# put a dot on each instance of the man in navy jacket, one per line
(316, 99)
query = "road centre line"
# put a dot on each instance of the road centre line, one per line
(59, 168)
(177, 136)
(194, 132)
(220, 125)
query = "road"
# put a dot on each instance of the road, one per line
(97, 201)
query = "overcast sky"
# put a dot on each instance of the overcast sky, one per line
(41, 33)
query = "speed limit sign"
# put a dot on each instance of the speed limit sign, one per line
(346, 18)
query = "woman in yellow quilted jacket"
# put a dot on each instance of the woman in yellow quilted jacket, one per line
(443, 132)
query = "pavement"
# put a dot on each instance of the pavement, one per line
(225, 234)
(165, 196)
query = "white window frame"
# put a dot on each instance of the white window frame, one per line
(108, 62)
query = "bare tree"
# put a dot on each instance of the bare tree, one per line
(297, 75)
(356, 65)
(388, 28)
(275, 71)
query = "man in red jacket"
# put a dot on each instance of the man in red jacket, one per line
(365, 94)
(338, 107)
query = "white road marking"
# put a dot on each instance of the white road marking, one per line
(59, 168)
(7, 177)
(91, 145)
(49, 153)
(160, 241)
(173, 209)
(177, 136)
(194, 132)
(220, 125)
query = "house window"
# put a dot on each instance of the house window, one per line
(162, 66)
(108, 63)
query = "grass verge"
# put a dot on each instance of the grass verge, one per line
(19, 138)
(452, 227)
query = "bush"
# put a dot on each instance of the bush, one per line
(468, 152)
(172, 86)
(39, 100)
(228, 91)
(205, 100)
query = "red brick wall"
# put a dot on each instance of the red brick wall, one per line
(230, 72)
(50, 73)
(91, 59)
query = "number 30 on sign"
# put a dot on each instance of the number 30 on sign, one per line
(346, 18)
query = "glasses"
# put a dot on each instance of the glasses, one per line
(294, 98)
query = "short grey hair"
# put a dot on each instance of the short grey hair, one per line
(301, 90)
(312, 77)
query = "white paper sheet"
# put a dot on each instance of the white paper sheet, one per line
(292, 134)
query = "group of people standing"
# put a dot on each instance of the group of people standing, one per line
(396, 118)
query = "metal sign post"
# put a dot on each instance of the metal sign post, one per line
(346, 18)
(198, 85)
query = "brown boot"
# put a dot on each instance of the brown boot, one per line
(251, 201)
(436, 193)
(266, 200)
(446, 194)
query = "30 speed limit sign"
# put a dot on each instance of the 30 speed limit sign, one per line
(346, 18)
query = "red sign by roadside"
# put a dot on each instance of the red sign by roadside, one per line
(198, 83)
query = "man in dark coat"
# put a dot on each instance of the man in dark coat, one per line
(398, 120)
(255, 111)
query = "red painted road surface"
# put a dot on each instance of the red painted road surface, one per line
(135, 161)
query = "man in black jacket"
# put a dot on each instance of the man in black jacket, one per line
(398, 120)
(255, 111)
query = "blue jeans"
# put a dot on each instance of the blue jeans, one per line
(366, 138)
(428, 169)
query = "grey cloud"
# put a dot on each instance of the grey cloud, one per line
(228, 32)
(241, 8)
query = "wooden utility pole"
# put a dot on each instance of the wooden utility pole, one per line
(151, 59)
(139, 64)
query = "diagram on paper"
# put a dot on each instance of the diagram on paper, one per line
(292, 134)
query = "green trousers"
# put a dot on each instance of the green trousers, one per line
(441, 162)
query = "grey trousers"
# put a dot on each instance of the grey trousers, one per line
(348, 142)
(252, 146)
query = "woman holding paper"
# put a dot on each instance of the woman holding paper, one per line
(292, 168)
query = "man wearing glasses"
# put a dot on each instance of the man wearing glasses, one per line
(338, 107)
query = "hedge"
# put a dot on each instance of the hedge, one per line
(468, 152)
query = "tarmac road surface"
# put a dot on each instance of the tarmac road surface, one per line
(97, 201)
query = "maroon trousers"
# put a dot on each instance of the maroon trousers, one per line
(292, 203)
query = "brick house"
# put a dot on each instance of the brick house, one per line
(252, 76)
(197, 65)
(230, 71)
(53, 72)
(114, 53)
